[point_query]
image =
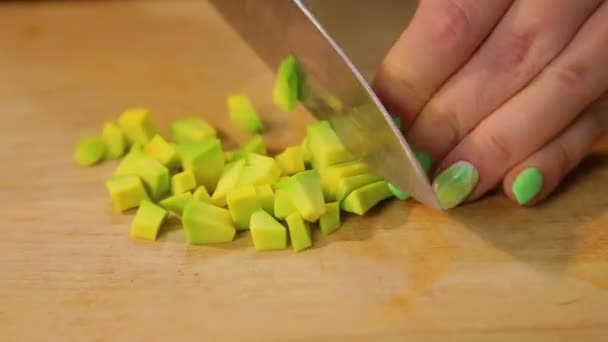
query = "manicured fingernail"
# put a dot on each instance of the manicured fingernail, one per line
(425, 160)
(455, 184)
(527, 185)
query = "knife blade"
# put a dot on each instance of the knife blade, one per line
(335, 90)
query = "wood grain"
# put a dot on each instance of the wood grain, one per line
(69, 271)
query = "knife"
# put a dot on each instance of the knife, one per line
(336, 90)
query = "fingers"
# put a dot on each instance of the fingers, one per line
(416, 66)
(541, 111)
(519, 48)
(537, 177)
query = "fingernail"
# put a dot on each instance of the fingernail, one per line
(527, 185)
(455, 184)
(425, 160)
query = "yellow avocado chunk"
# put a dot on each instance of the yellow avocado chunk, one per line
(147, 221)
(325, 146)
(366, 197)
(137, 125)
(267, 234)
(205, 159)
(242, 202)
(126, 191)
(89, 151)
(177, 203)
(159, 149)
(183, 182)
(291, 160)
(207, 224)
(191, 130)
(243, 115)
(305, 193)
(299, 232)
(330, 221)
(115, 141)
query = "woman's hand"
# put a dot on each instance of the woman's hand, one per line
(501, 90)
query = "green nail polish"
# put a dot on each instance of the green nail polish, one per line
(455, 184)
(425, 160)
(401, 195)
(527, 185)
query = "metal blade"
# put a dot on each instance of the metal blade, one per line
(336, 90)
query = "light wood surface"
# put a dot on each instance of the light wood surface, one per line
(69, 271)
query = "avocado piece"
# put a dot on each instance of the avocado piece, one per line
(325, 146)
(177, 203)
(148, 220)
(331, 176)
(89, 151)
(330, 221)
(286, 88)
(266, 197)
(228, 181)
(243, 114)
(114, 140)
(183, 182)
(306, 194)
(291, 160)
(126, 191)
(266, 232)
(349, 184)
(137, 125)
(299, 232)
(242, 202)
(207, 224)
(159, 149)
(191, 130)
(363, 199)
(205, 159)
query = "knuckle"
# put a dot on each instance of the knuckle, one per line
(573, 78)
(498, 147)
(564, 159)
(513, 51)
(450, 24)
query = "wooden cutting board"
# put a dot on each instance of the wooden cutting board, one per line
(69, 272)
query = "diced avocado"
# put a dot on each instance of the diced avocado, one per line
(201, 194)
(305, 152)
(127, 164)
(291, 160)
(259, 170)
(243, 115)
(366, 197)
(228, 156)
(351, 183)
(205, 159)
(228, 180)
(306, 194)
(126, 191)
(183, 182)
(330, 221)
(266, 233)
(191, 130)
(177, 203)
(266, 197)
(299, 232)
(137, 125)
(283, 206)
(255, 145)
(401, 195)
(331, 175)
(148, 220)
(206, 224)
(115, 141)
(159, 149)
(285, 92)
(89, 151)
(242, 202)
(325, 146)
(154, 175)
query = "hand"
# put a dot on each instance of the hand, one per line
(501, 90)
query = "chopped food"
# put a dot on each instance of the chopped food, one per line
(243, 115)
(325, 146)
(159, 149)
(242, 202)
(266, 232)
(260, 170)
(283, 206)
(228, 181)
(425, 160)
(291, 160)
(201, 194)
(349, 184)
(147, 221)
(191, 130)
(137, 125)
(154, 175)
(115, 141)
(207, 224)
(299, 232)
(306, 194)
(89, 151)
(177, 203)
(331, 176)
(305, 152)
(205, 159)
(126, 192)
(366, 197)
(286, 88)
(255, 145)
(330, 221)
(183, 182)
(266, 197)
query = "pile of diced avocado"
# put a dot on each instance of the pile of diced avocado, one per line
(216, 193)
